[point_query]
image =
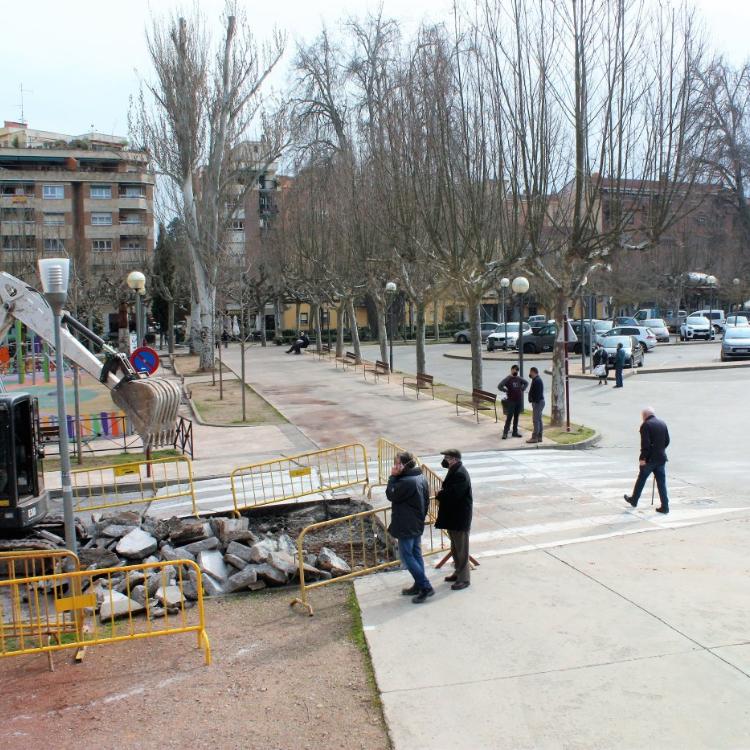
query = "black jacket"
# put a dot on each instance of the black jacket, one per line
(536, 391)
(456, 500)
(654, 441)
(601, 357)
(409, 494)
(514, 386)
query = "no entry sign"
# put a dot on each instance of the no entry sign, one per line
(145, 359)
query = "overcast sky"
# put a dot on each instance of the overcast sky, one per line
(79, 61)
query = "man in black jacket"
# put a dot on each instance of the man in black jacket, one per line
(454, 515)
(409, 494)
(514, 386)
(654, 443)
(536, 399)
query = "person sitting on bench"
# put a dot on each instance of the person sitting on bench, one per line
(301, 343)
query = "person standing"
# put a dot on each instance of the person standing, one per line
(513, 386)
(454, 515)
(536, 399)
(601, 364)
(653, 457)
(619, 364)
(409, 495)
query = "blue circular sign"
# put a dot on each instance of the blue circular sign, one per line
(145, 359)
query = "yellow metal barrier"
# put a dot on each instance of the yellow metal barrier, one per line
(94, 607)
(387, 452)
(379, 552)
(134, 483)
(294, 477)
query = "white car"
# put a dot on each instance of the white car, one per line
(717, 317)
(696, 327)
(738, 321)
(497, 340)
(736, 343)
(646, 337)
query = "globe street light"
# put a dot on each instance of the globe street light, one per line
(584, 281)
(504, 284)
(137, 282)
(390, 294)
(711, 281)
(520, 286)
(736, 283)
(54, 273)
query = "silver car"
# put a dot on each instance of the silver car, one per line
(633, 352)
(464, 336)
(646, 337)
(737, 320)
(736, 343)
(496, 340)
(659, 327)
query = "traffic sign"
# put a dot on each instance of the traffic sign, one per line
(145, 359)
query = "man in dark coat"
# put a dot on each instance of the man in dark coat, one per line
(653, 457)
(536, 399)
(619, 364)
(514, 386)
(454, 515)
(302, 342)
(409, 494)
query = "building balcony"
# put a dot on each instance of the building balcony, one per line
(133, 204)
(133, 230)
(25, 228)
(101, 232)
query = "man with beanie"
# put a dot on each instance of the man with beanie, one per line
(409, 494)
(514, 386)
(454, 515)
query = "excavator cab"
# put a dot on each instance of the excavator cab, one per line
(23, 499)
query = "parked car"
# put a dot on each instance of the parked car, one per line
(584, 337)
(717, 317)
(634, 356)
(647, 313)
(539, 322)
(464, 335)
(696, 327)
(659, 327)
(496, 340)
(601, 329)
(675, 320)
(736, 343)
(646, 337)
(734, 321)
(542, 341)
(624, 321)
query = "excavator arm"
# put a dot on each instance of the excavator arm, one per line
(150, 403)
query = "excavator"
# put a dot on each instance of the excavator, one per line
(151, 403)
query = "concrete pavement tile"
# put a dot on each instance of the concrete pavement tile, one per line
(738, 656)
(671, 702)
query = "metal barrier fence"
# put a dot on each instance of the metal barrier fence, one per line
(294, 477)
(368, 553)
(83, 608)
(134, 483)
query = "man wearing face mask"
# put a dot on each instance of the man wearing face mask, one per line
(409, 494)
(454, 515)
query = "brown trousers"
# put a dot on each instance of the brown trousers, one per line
(460, 553)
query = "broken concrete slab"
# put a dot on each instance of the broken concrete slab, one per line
(136, 545)
(171, 596)
(285, 543)
(95, 558)
(284, 563)
(239, 550)
(235, 562)
(168, 552)
(232, 529)
(212, 563)
(189, 530)
(204, 544)
(330, 561)
(242, 579)
(272, 576)
(116, 605)
(260, 551)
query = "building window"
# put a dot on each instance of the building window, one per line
(19, 215)
(53, 220)
(53, 192)
(132, 191)
(131, 244)
(103, 192)
(19, 242)
(131, 219)
(100, 245)
(16, 189)
(238, 225)
(54, 245)
(303, 318)
(700, 219)
(102, 218)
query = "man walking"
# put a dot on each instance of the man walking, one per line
(410, 496)
(536, 399)
(619, 365)
(653, 457)
(454, 515)
(514, 386)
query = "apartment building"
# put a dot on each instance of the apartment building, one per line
(87, 197)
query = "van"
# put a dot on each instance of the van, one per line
(646, 313)
(717, 317)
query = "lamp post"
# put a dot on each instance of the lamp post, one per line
(712, 281)
(504, 284)
(137, 282)
(736, 284)
(54, 274)
(390, 294)
(520, 286)
(584, 281)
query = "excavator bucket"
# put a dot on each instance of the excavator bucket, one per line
(152, 405)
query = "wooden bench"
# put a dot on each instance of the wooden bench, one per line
(377, 368)
(479, 400)
(419, 383)
(350, 359)
(324, 351)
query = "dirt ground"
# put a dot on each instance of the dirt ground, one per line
(279, 681)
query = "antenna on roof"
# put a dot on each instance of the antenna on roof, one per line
(28, 91)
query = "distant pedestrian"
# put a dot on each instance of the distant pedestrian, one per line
(409, 495)
(454, 515)
(225, 339)
(619, 364)
(513, 386)
(653, 457)
(536, 399)
(301, 343)
(601, 364)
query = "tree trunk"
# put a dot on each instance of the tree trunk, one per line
(194, 334)
(382, 330)
(277, 318)
(315, 314)
(262, 314)
(207, 300)
(475, 328)
(354, 328)
(436, 321)
(420, 337)
(340, 328)
(170, 326)
(557, 411)
(297, 313)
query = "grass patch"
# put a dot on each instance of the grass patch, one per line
(187, 365)
(357, 635)
(228, 410)
(577, 434)
(110, 459)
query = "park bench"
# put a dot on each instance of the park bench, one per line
(422, 382)
(350, 359)
(479, 400)
(377, 368)
(324, 351)
(49, 433)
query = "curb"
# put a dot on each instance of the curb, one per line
(665, 370)
(502, 358)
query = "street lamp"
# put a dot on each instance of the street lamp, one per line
(54, 274)
(390, 294)
(736, 283)
(711, 281)
(520, 286)
(137, 282)
(504, 284)
(584, 281)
